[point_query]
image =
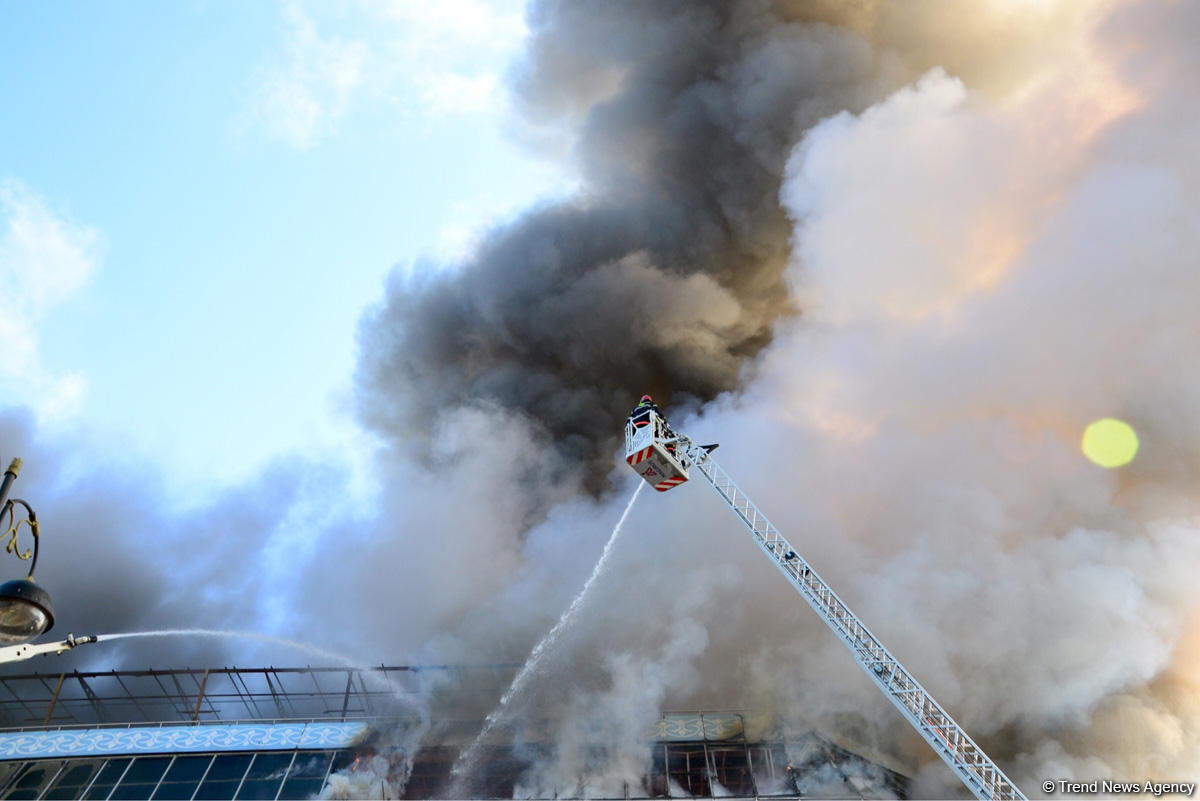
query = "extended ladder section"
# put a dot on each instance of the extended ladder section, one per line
(946, 737)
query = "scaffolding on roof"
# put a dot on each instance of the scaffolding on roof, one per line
(228, 694)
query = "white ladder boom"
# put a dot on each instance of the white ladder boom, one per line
(933, 723)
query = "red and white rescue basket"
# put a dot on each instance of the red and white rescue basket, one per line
(651, 450)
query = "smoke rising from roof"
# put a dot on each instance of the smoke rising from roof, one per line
(119, 555)
(985, 257)
(985, 261)
(665, 273)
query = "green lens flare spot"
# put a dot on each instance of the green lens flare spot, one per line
(1110, 442)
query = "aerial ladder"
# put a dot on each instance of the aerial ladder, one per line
(664, 459)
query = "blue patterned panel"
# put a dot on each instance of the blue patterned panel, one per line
(178, 739)
(708, 726)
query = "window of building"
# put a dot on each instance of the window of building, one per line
(730, 768)
(686, 769)
(73, 778)
(7, 771)
(32, 777)
(430, 771)
(141, 778)
(307, 776)
(223, 777)
(265, 776)
(183, 777)
(768, 763)
(286, 775)
(107, 778)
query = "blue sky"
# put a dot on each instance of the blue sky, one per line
(198, 200)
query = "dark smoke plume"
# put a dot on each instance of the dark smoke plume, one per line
(665, 274)
(117, 555)
(981, 270)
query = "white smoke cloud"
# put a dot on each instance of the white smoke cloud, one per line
(975, 292)
(382, 769)
(370, 777)
(980, 274)
(598, 737)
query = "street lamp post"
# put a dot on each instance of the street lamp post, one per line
(25, 608)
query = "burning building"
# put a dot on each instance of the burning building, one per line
(292, 733)
(897, 257)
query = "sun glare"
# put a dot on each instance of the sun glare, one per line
(1110, 442)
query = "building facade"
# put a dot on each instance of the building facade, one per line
(296, 733)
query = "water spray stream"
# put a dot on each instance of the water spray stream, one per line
(246, 635)
(458, 772)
